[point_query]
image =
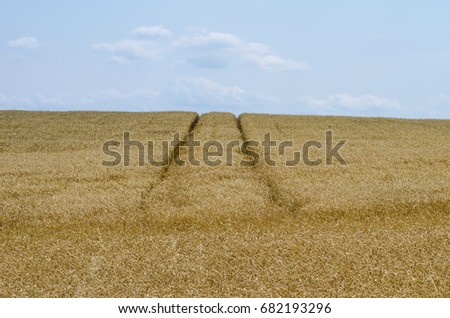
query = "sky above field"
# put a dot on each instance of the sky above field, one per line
(383, 58)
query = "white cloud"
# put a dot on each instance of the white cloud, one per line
(213, 49)
(363, 101)
(193, 93)
(201, 91)
(14, 102)
(30, 103)
(208, 60)
(346, 104)
(144, 99)
(199, 48)
(273, 62)
(209, 40)
(130, 50)
(152, 31)
(25, 42)
(202, 95)
(115, 95)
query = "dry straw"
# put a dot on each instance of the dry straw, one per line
(70, 227)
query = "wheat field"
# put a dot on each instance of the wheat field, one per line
(71, 227)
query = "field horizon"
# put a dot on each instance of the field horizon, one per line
(376, 226)
(6, 110)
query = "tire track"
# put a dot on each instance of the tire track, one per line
(218, 191)
(176, 149)
(267, 176)
(200, 194)
(173, 153)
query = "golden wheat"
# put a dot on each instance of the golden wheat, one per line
(70, 227)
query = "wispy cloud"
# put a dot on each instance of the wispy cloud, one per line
(26, 42)
(152, 31)
(30, 103)
(143, 99)
(203, 94)
(14, 102)
(130, 50)
(207, 40)
(218, 48)
(347, 104)
(202, 49)
(189, 93)
(201, 91)
(273, 62)
(116, 95)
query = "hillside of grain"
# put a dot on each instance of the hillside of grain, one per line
(376, 227)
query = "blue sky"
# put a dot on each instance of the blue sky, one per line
(358, 58)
